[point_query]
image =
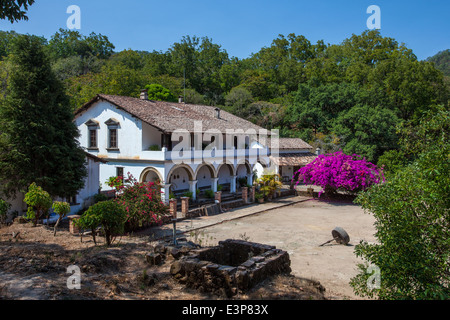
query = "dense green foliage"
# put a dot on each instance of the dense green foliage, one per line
(108, 215)
(38, 139)
(4, 207)
(412, 218)
(14, 10)
(442, 61)
(354, 93)
(158, 92)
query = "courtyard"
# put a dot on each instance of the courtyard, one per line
(298, 225)
(33, 262)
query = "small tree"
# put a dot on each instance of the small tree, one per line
(62, 209)
(38, 201)
(109, 215)
(338, 171)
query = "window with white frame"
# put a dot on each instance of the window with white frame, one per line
(93, 127)
(113, 134)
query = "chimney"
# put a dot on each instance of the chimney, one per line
(180, 99)
(318, 151)
(144, 94)
(217, 113)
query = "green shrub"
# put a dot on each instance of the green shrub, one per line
(38, 201)
(188, 194)
(154, 147)
(100, 197)
(242, 182)
(109, 215)
(209, 194)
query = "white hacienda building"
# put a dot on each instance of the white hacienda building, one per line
(186, 147)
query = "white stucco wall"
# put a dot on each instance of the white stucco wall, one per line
(180, 179)
(129, 132)
(91, 187)
(150, 136)
(109, 169)
(17, 204)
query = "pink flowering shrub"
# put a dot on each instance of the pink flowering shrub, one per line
(338, 171)
(142, 203)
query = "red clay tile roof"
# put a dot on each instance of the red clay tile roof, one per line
(293, 143)
(294, 159)
(169, 116)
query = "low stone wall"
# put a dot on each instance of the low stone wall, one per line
(231, 267)
(233, 204)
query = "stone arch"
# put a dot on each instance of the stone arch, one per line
(210, 167)
(226, 172)
(205, 175)
(179, 177)
(188, 169)
(149, 174)
(247, 165)
(230, 166)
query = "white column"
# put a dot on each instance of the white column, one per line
(214, 184)
(193, 189)
(166, 193)
(233, 184)
(250, 179)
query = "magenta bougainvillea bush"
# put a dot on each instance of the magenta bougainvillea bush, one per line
(338, 171)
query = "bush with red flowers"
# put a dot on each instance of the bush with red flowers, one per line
(142, 203)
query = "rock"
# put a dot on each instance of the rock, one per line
(176, 254)
(159, 248)
(248, 263)
(20, 220)
(154, 259)
(176, 268)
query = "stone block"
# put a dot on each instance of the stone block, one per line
(154, 259)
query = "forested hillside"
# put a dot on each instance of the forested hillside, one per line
(349, 96)
(442, 61)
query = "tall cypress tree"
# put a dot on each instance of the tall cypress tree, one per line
(38, 138)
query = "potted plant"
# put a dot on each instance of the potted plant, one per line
(259, 196)
(269, 184)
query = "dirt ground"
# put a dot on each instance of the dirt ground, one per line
(33, 264)
(300, 230)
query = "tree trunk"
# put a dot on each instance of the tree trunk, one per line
(56, 225)
(93, 236)
(107, 237)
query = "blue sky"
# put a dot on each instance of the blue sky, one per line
(243, 27)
